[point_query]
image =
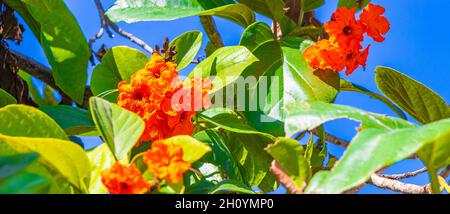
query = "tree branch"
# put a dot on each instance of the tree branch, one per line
(106, 23)
(397, 186)
(405, 175)
(210, 27)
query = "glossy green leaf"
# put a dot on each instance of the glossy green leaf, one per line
(255, 35)
(63, 158)
(220, 155)
(309, 5)
(162, 10)
(413, 97)
(271, 8)
(348, 86)
(119, 128)
(118, 64)
(62, 40)
(74, 121)
(253, 161)
(308, 115)
(230, 186)
(101, 159)
(289, 155)
(229, 120)
(25, 121)
(12, 164)
(225, 64)
(187, 46)
(353, 3)
(375, 148)
(193, 150)
(6, 98)
(32, 88)
(25, 183)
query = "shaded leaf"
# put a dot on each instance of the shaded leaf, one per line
(10, 165)
(230, 186)
(74, 121)
(6, 98)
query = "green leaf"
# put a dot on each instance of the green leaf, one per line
(230, 186)
(348, 86)
(271, 8)
(220, 156)
(229, 120)
(255, 35)
(413, 97)
(308, 115)
(25, 121)
(165, 10)
(10, 165)
(226, 64)
(25, 183)
(63, 158)
(119, 128)
(31, 88)
(309, 5)
(373, 149)
(353, 3)
(101, 159)
(74, 121)
(62, 40)
(193, 150)
(6, 98)
(118, 64)
(253, 161)
(289, 154)
(187, 46)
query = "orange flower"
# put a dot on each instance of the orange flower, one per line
(324, 55)
(124, 180)
(165, 161)
(151, 94)
(376, 24)
(355, 58)
(344, 29)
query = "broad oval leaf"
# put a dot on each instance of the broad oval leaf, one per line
(225, 64)
(289, 155)
(118, 64)
(229, 120)
(308, 115)
(12, 164)
(413, 97)
(373, 149)
(271, 8)
(187, 46)
(230, 186)
(74, 121)
(64, 158)
(101, 159)
(6, 98)
(157, 10)
(119, 128)
(63, 42)
(193, 149)
(255, 35)
(25, 121)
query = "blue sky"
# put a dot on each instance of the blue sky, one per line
(417, 45)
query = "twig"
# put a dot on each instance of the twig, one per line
(334, 140)
(106, 23)
(397, 186)
(405, 175)
(284, 178)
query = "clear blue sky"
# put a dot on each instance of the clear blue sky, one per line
(417, 45)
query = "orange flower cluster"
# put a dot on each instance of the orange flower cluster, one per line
(343, 49)
(165, 161)
(124, 180)
(162, 100)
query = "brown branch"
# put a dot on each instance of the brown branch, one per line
(210, 28)
(284, 178)
(106, 23)
(333, 139)
(397, 186)
(405, 175)
(44, 74)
